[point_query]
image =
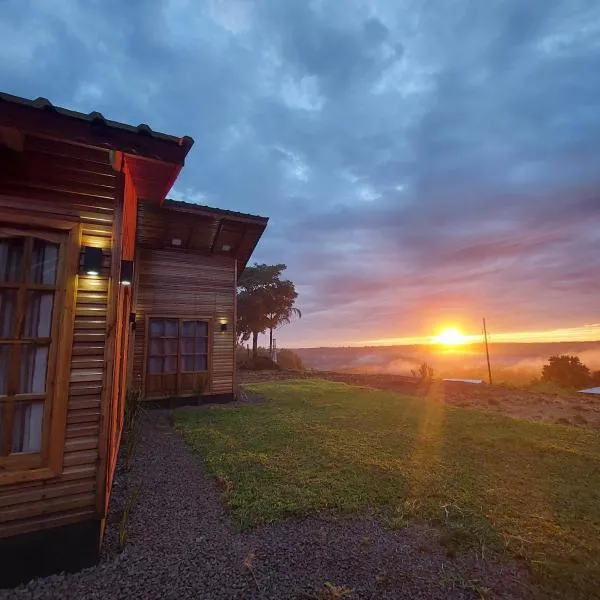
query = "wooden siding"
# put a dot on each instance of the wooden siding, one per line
(65, 181)
(176, 283)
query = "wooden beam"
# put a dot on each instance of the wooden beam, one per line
(216, 237)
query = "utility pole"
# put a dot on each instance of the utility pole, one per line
(487, 351)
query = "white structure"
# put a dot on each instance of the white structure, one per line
(594, 390)
(465, 380)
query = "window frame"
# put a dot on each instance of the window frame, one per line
(179, 372)
(48, 462)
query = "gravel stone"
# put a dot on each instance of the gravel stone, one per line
(182, 544)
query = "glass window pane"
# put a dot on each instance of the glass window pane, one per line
(171, 346)
(187, 363)
(44, 262)
(171, 364)
(38, 314)
(34, 365)
(201, 329)
(201, 346)
(11, 259)
(27, 427)
(157, 328)
(189, 329)
(8, 301)
(4, 364)
(188, 345)
(155, 365)
(201, 363)
(157, 347)
(171, 328)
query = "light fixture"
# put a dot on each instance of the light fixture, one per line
(225, 247)
(92, 260)
(126, 272)
(223, 326)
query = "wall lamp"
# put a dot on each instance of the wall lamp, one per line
(223, 326)
(92, 260)
(126, 272)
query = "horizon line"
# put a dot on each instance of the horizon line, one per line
(586, 333)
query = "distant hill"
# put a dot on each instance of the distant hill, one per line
(510, 361)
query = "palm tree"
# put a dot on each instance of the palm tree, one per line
(283, 317)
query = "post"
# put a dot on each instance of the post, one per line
(487, 351)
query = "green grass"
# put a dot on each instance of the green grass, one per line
(524, 489)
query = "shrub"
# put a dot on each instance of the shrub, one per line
(424, 373)
(289, 360)
(566, 371)
(260, 363)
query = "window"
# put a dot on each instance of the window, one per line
(177, 356)
(29, 283)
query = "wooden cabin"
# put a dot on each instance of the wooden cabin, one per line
(105, 286)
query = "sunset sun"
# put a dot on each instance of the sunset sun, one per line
(450, 337)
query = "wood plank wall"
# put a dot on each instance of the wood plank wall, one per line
(67, 181)
(180, 283)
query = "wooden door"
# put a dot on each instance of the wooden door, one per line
(193, 357)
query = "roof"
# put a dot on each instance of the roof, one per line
(198, 228)
(41, 116)
(204, 210)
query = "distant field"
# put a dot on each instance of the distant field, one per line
(511, 362)
(524, 489)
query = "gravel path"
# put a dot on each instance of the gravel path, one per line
(182, 545)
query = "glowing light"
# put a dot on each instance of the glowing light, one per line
(450, 337)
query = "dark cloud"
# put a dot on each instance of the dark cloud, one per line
(420, 161)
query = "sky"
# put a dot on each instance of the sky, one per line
(423, 163)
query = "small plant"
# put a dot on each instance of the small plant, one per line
(249, 566)
(334, 592)
(454, 580)
(424, 373)
(130, 503)
(132, 425)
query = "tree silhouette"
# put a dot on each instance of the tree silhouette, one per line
(566, 371)
(265, 301)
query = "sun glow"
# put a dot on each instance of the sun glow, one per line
(450, 337)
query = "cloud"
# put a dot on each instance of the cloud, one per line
(420, 162)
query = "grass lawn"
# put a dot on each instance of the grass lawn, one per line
(526, 489)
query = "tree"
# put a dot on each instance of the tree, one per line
(279, 307)
(265, 301)
(566, 371)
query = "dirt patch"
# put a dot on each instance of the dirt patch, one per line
(576, 410)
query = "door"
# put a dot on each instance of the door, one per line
(177, 357)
